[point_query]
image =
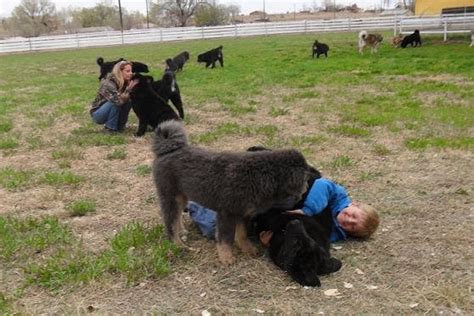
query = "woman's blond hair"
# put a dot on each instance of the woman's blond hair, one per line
(370, 221)
(117, 72)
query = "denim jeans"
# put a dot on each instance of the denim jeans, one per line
(204, 217)
(114, 117)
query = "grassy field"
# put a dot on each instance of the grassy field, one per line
(80, 229)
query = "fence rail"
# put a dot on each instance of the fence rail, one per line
(400, 24)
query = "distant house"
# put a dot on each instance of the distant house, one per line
(430, 7)
(256, 13)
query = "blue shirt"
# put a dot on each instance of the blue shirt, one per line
(326, 193)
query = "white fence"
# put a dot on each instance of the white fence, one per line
(445, 24)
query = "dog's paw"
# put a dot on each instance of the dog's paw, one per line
(225, 254)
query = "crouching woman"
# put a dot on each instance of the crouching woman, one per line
(112, 104)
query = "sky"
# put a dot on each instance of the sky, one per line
(246, 6)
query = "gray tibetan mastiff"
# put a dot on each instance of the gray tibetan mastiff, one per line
(237, 185)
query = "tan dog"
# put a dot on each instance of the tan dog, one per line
(397, 40)
(371, 40)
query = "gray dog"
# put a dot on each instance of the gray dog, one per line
(235, 185)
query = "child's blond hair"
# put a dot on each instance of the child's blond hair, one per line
(370, 221)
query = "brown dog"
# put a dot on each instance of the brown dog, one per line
(371, 40)
(397, 40)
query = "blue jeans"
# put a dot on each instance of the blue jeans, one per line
(114, 117)
(204, 217)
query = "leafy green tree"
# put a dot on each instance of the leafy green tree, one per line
(34, 17)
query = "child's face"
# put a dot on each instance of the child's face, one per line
(351, 218)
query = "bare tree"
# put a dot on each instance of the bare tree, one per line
(35, 17)
(178, 12)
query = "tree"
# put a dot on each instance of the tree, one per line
(234, 11)
(175, 12)
(211, 15)
(34, 17)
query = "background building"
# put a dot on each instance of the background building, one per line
(435, 7)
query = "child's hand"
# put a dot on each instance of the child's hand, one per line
(265, 237)
(295, 212)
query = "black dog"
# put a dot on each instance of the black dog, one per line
(300, 244)
(210, 57)
(319, 49)
(106, 67)
(177, 63)
(167, 88)
(150, 108)
(412, 39)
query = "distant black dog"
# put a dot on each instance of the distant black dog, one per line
(319, 49)
(177, 63)
(167, 88)
(412, 39)
(210, 57)
(106, 67)
(300, 244)
(150, 108)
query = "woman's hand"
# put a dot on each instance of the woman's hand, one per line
(132, 84)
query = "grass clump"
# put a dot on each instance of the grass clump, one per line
(347, 130)
(143, 170)
(63, 177)
(137, 251)
(67, 153)
(381, 150)
(117, 154)
(81, 207)
(439, 142)
(341, 162)
(22, 238)
(8, 143)
(12, 179)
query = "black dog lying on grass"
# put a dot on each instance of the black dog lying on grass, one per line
(299, 244)
(210, 57)
(319, 49)
(177, 63)
(106, 67)
(413, 39)
(150, 107)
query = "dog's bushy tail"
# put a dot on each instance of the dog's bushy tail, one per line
(362, 34)
(100, 61)
(169, 137)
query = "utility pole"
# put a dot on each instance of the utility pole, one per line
(147, 16)
(264, 10)
(121, 20)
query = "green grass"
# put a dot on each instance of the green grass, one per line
(58, 178)
(81, 207)
(14, 179)
(137, 252)
(143, 170)
(117, 154)
(50, 255)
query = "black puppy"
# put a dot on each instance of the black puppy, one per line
(319, 49)
(210, 57)
(167, 88)
(177, 63)
(150, 108)
(300, 244)
(106, 67)
(412, 39)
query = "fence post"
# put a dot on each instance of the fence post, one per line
(305, 26)
(395, 27)
(29, 43)
(350, 24)
(445, 30)
(77, 40)
(235, 30)
(202, 32)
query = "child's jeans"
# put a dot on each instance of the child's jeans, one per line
(204, 217)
